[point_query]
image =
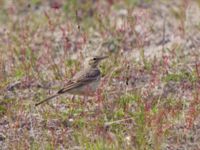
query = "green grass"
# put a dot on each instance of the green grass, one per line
(180, 76)
(37, 47)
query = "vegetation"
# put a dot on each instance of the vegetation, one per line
(149, 94)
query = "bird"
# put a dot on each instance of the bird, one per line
(84, 82)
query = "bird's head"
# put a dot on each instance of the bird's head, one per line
(94, 61)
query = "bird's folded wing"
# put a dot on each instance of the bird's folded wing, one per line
(69, 86)
(82, 80)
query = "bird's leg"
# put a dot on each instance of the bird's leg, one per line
(73, 97)
(85, 100)
(84, 105)
(98, 95)
(99, 99)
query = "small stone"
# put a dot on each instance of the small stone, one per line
(2, 137)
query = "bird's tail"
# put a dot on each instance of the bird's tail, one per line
(47, 99)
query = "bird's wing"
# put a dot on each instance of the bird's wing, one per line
(81, 79)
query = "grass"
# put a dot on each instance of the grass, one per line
(143, 98)
(178, 77)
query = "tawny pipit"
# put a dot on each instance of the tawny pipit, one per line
(84, 82)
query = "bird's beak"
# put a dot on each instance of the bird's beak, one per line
(102, 57)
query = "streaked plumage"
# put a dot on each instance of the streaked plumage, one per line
(83, 83)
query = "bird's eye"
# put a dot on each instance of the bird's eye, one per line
(94, 59)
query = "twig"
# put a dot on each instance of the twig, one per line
(117, 121)
(163, 38)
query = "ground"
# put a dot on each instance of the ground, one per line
(149, 93)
